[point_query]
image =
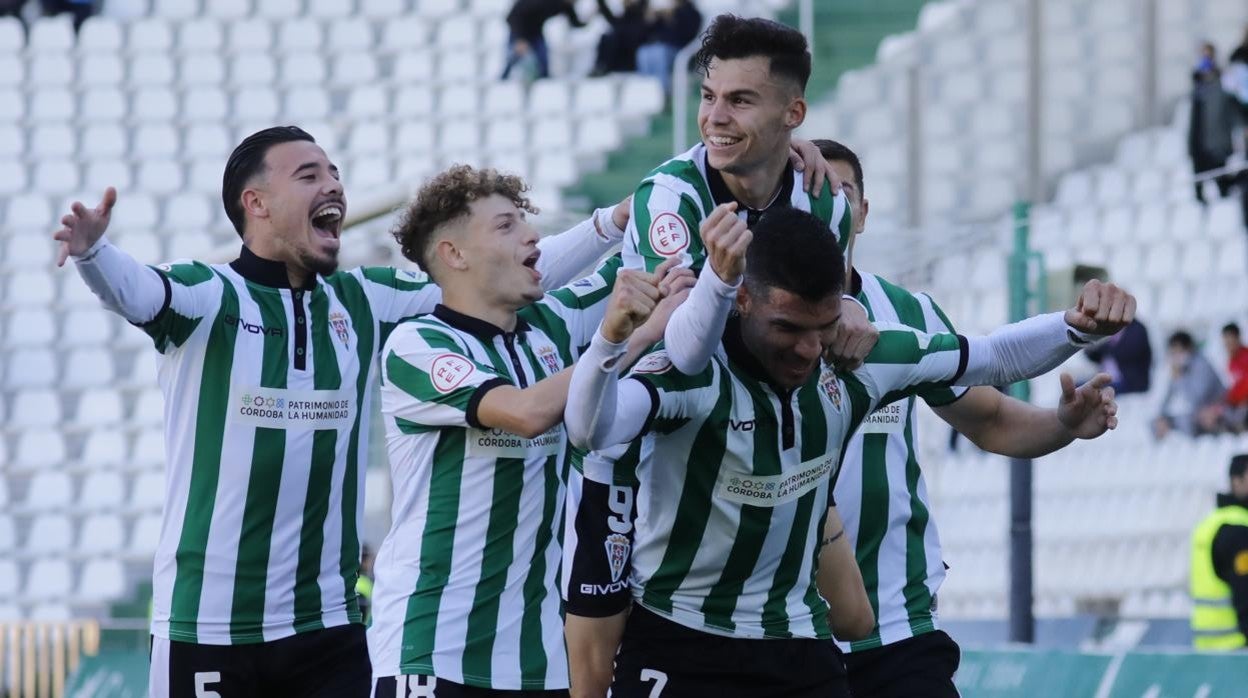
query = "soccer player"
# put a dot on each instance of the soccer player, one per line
(883, 499)
(268, 370)
(737, 461)
(473, 397)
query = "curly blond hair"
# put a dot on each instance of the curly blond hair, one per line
(446, 198)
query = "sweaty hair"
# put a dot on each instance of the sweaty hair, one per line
(1239, 465)
(795, 252)
(730, 36)
(1230, 328)
(833, 150)
(446, 198)
(1181, 340)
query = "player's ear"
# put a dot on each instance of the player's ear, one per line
(795, 114)
(254, 204)
(743, 299)
(449, 255)
(861, 224)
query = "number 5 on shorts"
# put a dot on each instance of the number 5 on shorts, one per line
(202, 679)
(659, 678)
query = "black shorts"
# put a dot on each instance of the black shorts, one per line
(598, 547)
(662, 659)
(418, 686)
(918, 667)
(330, 663)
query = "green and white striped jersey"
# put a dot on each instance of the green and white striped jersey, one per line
(466, 579)
(266, 444)
(672, 201)
(881, 495)
(734, 478)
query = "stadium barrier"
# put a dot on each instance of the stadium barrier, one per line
(1028, 673)
(36, 657)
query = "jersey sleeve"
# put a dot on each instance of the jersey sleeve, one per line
(908, 362)
(192, 293)
(572, 314)
(398, 294)
(676, 398)
(429, 382)
(664, 224)
(938, 322)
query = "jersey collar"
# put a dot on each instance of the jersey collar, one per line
(266, 272)
(475, 326)
(721, 194)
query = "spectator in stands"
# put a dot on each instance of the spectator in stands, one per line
(80, 9)
(671, 26)
(526, 21)
(617, 49)
(12, 8)
(1237, 366)
(1127, 357)
(1219, 572)
(1236, 83)
(1195, 390)
(1213, 118)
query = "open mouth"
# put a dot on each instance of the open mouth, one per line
(327, 220)
(722, 141)
(530, 263)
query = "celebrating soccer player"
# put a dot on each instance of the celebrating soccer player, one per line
(268, 368)
(473, 395)
(738, 459)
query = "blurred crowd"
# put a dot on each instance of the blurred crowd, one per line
(643, 36)
(1219, 108)
(80, 9)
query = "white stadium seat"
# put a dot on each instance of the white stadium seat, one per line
(414, 102)
(150, 34)
(414, 66)
(250, 34)
(10, 578)
(48, 491)
(300, 34)
(103, 104)
(149, 492)
(201, 68)
(279, 9)
(88, 368)
(205, 105)
(102, 534)
(51, 35)
(102, 581)
(49, 579)
(145, 536)
(256, 104)
(101, 69)
(36, 408)
(354, 69)
(104, 448)
(150, 69)
(352, 34)
(201, 34)
(8, 537)
(302, 68)
(252, 69)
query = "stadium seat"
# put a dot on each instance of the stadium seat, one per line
(405, 33)
(369, 138)
(35, 408)
(551, 133)
(640, 97)
(10, 578)
(1225, 221)
(459, 136)
(8, 536)
(207, 139)
(102, 490)
(437, 8)
(175, 9)
(39, 448)
(354, 69)
(202, 34)
(149, 408)
(102, 534)
(413, 66)
(27, 289)
(87, 368)
(188, 211)
(50, 69)
(255, 104)
(367, 101)
(51, 35)
(52, 104)
(149, 450)
(149, 492)
(228, 9)
(350, 34)
(457, 34)
(50, 612)
(103, 104)
(30, 368)
(48, 579)
(145, 536)
(250, 35)
(252, 70)
(150, 70)
(50, 534)
(150, 34)
(12, 104)
(301, 34)
(101, 581)
(154, 104)
(28, 211)
(104, 448)
(197, 69)
(549, 98)
(413, 102)
(458, 68)
(284, 10)
(459, 101)
(101, 69)
(415, 137)
(506, 134)
(303, 68)
(98, 35)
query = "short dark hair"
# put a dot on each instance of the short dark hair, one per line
(1239, 465)
(446, 198)
(833, 150)
(730, 36)
(794, 251)
(1182, 340)
(1230, 328)
(247, 161)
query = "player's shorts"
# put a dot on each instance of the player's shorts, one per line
(418, 686)
(597, 547)
(918, 667)
(662, 659)
(330, 663)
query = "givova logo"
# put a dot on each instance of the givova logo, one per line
(240, 323)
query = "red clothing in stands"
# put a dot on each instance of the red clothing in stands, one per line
(1238, 394)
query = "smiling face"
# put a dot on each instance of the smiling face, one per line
(786, 333)
(746, 114)
(497, 247)
(300, 205)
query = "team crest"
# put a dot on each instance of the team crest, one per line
(549, 359)
(617, 554)
(832, 388)
(338, 322)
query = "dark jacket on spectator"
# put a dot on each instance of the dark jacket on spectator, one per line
(527, 17)
(679, 28)
(1127, 357)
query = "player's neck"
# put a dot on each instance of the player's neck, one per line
(758, 187)
(472, 302)
(296, 275)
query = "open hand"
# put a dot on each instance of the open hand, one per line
(805, 157)
(82, 227)
(1089, 410)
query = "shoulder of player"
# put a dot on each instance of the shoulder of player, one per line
(189, 272)
(392, 277)
(417, 333)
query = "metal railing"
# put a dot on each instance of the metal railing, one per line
(36, 658)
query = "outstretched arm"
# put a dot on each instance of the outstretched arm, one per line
(126, 287)
(566, 256)
(1009, 427)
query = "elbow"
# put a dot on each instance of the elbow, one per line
(854, 626)
(531, 428)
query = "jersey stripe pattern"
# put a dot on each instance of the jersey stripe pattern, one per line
(266, 447)
(881, 495)
(672, 201)
(734, 478)
(466, 580)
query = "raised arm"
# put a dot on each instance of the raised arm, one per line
(566, 255)
(126, 287)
